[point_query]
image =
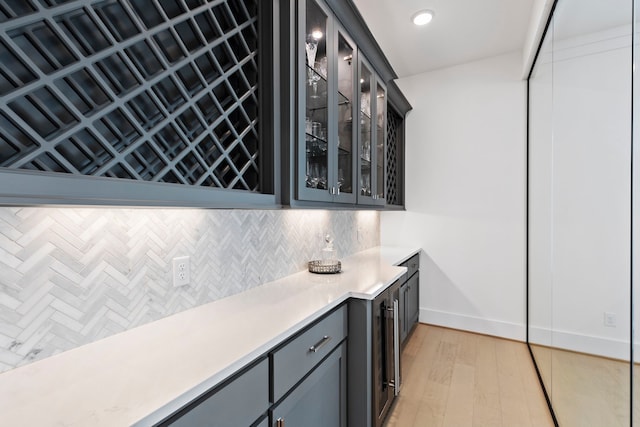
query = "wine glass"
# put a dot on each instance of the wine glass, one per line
(311, 48)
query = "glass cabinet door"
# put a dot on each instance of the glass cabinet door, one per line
(326, 91)
(372, 138)
(381, 152)
(366, 135)
(345, 95)
(316, 102)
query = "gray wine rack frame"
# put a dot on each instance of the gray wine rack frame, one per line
(137, 102)
(395, 167)
(397, 110)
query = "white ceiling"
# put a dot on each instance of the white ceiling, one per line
(461, 31)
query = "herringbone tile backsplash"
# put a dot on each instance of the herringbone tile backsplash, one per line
(70, 276)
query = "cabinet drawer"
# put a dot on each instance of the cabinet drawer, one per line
(412, 264)
(239, 403)
(293, 361)
(321, 399)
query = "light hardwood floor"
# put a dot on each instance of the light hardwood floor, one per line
(587, 391)
(456, 378)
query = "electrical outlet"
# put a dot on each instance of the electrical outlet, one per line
(181, 271)
(610, 319)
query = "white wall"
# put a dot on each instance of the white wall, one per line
(465, 195)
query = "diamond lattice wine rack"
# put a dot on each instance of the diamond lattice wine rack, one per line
(145, 90)
(394, 139)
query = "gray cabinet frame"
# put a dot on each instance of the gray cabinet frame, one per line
(25, 187)
(397, 104)
(334, 28)
(376, 81)
(346, 15)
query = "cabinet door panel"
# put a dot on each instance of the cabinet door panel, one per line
(413, 296)
(404, 318)
(293, 361)
(315, 96)
(366, 135)
(372, 137)
(381, 144)
(239, 403)
(345, 108)
(320, 400)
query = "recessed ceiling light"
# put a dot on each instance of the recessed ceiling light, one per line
(422, 17)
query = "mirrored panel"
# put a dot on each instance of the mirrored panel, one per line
(540, 244)
(579, 247)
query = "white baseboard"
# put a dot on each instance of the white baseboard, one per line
(512, 331)
(600, 346)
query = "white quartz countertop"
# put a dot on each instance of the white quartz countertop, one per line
(140, 376)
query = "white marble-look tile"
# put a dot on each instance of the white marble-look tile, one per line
(71, 276)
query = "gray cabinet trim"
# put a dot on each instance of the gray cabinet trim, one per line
(19, 187)
(397, 99)
(351, 18)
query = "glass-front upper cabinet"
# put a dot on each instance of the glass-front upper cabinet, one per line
(346, 72)
(381, 145)
(326, 94)
(372, 137)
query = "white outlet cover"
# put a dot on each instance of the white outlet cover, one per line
(610, 319)
(181, 271)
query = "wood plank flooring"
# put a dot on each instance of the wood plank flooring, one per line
(586, 390)
(456, 378)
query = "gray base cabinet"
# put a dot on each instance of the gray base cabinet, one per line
(321, 399)
(299, 356)
(300, 382)
(239, 403)
(409, 311)
(404, 302)
(413, 294)
(409, 298)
